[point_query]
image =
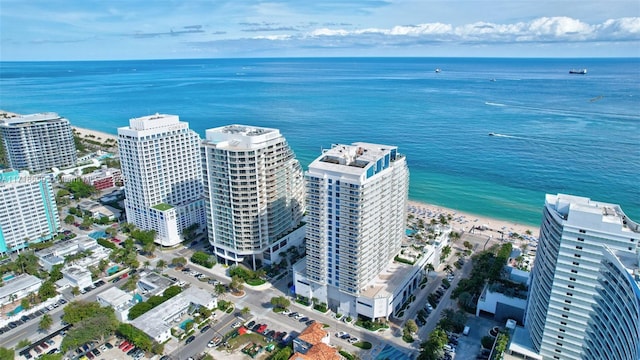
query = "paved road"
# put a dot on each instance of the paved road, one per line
(30, 330)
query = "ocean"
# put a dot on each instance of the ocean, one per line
(554, 132)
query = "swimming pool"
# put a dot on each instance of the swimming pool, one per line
(113, 270)
(183, 325)
(98, 234)
(15, 311)
(8, 277)
(410, 232)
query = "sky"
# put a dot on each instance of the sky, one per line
(39, 30)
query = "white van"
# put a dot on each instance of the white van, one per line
(466, 331)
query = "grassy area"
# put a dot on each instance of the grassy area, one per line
(162, 207)
(241, 340)
(255, 282)
(363, 345)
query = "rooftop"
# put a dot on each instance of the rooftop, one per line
(356, 159)
(24, 119)
(162, 207)
(115, 297)
(160, 319)
(18, 283)
(386, 282)
(313, 334)
(319, 351)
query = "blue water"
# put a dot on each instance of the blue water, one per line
(8, 277)
(575, 134)
(98, 234)
(15, 311)
(113, 270)
(183, 325)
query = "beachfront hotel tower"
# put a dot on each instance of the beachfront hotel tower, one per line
(254, 192)
(28, 212)
(356, 219)
(160, 159)
(38, 142)
(584, 300)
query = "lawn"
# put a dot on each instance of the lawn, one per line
(241, 340)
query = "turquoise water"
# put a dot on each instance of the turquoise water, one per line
(138, 298)
(98, 234)
(560, 133)
(183, 325)
(8, 277)
(409, 232)
(113, 270)
(15, 311)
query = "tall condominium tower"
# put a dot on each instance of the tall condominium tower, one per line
(38, 142)
(584, 300)
(254, 191)
(356, 214)
(28, 212)
(160, 158)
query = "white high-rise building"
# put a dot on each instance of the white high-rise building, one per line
(28, 212)
(38, 142)
(254, 191)
(584, 298)
(162, 170)
(356, 220)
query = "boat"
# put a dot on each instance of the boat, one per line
(437, 70)
(578, 71)
(492, 134)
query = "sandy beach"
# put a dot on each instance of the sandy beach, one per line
(465, 222)
(460, 221)
(98, 135)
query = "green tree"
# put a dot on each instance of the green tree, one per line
(136, 336)
(87, 222)
(171, 291)
(245, 311)
(220, 289)
(283, 354)
(69, 219)
(23, 343)
(411, 326)
(7, 354)
(179, 262)
(280, 302)
(90, 322)
(45, 322)
(202, 258)
(206, 313)
(236, 284)
(75, 291)
(47, 290)
(25, 303)
(161, 264)
(80, 189)
(50, 357)
(112, 231)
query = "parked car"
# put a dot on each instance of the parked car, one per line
(250, 324)
(190, 339)
(204, 329)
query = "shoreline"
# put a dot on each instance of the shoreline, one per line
(464, 222)
(99, 135)
(461, 220)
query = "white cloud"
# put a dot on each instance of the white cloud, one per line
(542, 29)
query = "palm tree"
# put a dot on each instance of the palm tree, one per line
(245, 311)
(429, 267)
(146, 264)
(161, 264)
(220, 289)
(46, 322)
(75, 291)
(448, 268)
